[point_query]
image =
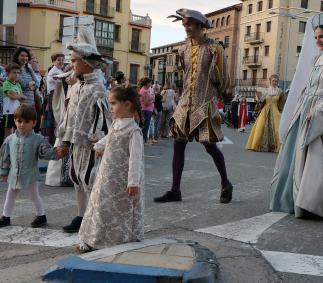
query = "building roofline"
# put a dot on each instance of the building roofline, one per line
(169, 45)
(237, 7)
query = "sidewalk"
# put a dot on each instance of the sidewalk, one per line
(157, 260)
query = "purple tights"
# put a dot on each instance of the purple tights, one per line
(179, 159)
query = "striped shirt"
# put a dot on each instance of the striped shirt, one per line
(25, 77)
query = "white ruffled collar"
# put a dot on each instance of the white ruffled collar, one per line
(121, 123)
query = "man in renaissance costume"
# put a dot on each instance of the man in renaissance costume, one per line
(196, 116)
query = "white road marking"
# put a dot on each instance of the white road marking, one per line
(295, 263)
(226, 141)
(246, 230)
(37, 237)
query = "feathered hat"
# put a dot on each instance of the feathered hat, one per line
(85, 48)
(196, 15)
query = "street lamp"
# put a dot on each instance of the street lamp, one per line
(290, 17)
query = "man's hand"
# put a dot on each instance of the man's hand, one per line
(99, 153)
(132, 191)
(61, 151)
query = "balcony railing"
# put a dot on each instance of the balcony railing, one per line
(137, 47)
(98, 9)
(140, 20)
(252, 82)
(252, 61)
(63, 4)
(254, 38)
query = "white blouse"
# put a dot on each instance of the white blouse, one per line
(136, 150)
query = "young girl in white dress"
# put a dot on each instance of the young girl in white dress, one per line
(115, 210)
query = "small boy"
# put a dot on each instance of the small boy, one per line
(12, 94)
(19, 156)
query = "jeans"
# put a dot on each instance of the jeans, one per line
(147, 117)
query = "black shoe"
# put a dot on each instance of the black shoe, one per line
(226, 194)
(169, 196)
(4, 221)
(74, 226)
(39, 221)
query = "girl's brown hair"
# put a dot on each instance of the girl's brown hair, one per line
(57, 55)
(130, 94)
(143, 81)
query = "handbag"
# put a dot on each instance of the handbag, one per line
(37, 100)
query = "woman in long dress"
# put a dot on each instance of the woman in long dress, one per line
(243, 114)
(264, 135)
(297, 185)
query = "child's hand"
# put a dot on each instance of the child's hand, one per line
(132, 191)
(61, 151)
(32, 85)
(99, 153)
(4, 178)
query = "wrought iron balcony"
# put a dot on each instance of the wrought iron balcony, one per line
(63, 4)
(254, 38)
(252, 61)
(89, 7)
(252, 82)
(137, 47)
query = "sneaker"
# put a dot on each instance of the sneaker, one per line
(75, 225)
(4, 221)
(226, 194)
(169, 196)
(39, 221)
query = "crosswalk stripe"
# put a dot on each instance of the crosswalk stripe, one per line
(37, 237)
(295, 263)
(246, 230)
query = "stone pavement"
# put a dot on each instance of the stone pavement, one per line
(156, 260)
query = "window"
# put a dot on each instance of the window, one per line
(10, 34)
(268, 26)
(213, 23)
(228, 20)
(321, 6)
(222, 22)
(115, 68)
(304, 4)
(260, 4)
(267, 50)
(245, 74)
(119, 6)
(246, 52)
(117, 33)
(217, 23)
(270, 4)
(248, 31)
(90, 6)
(227, 41)
(103, 7)
(299, 49)
(250, 9)
(61, 26)
(264, 73)
(134, 70)
(104, 34)
(135, 37)
(302, 27)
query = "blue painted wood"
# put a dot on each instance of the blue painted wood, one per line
(75, 269)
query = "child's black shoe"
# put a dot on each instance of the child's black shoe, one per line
(4, 221)
(39, 221)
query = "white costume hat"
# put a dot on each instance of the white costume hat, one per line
(85, 48)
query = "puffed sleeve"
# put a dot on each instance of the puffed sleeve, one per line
(219, 73)
(5, 158)
(136, 149)
(45, 150)
(100, 145)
